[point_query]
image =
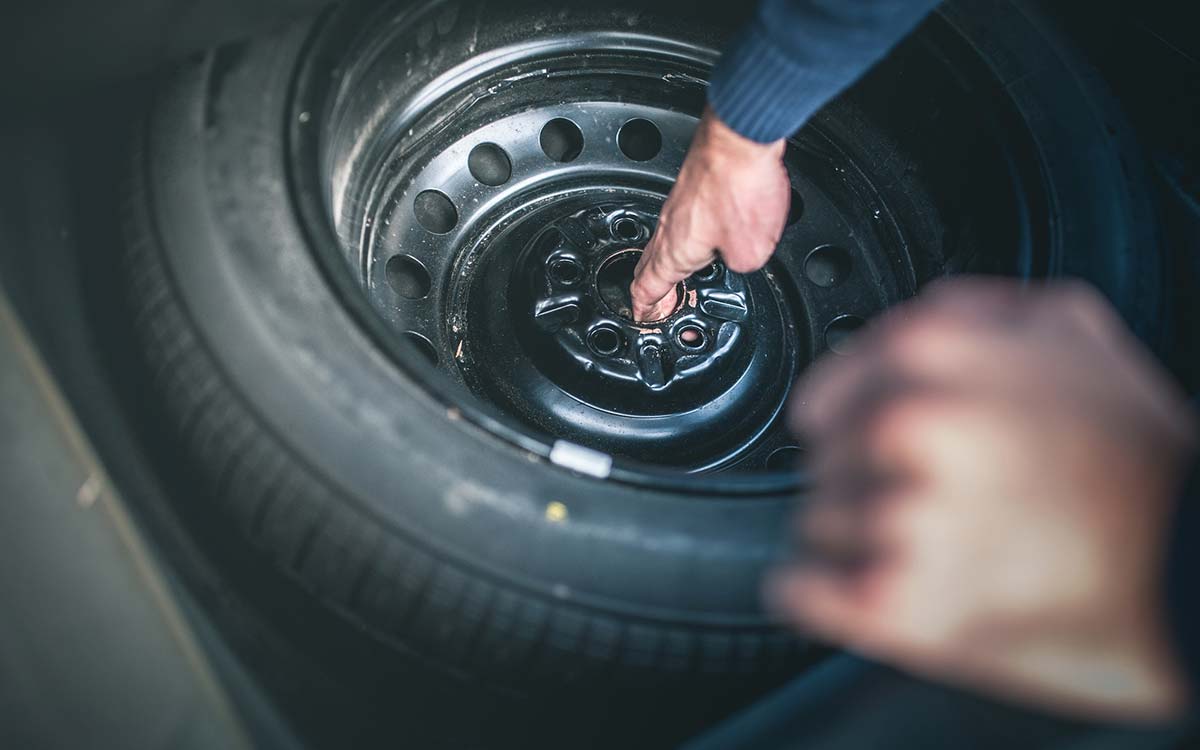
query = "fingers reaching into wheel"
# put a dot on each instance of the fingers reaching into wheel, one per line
(731, 198)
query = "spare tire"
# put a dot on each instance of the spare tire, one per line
(468, 513)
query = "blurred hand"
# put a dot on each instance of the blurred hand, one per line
(731, 198)
(995, 469)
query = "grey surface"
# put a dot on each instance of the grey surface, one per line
(93, 651)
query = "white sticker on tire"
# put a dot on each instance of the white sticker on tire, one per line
(578, 458)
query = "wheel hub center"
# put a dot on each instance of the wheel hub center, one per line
(580, 269)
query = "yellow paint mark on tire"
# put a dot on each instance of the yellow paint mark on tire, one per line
(556, 512)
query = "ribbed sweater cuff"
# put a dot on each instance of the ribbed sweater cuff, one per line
(762, 94)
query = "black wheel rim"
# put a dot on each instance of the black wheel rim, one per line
(577, 137)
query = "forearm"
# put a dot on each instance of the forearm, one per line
(796, 55)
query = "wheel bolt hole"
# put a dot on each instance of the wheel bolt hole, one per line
(711, 272)
(626, 229)
(604, 341)
(691, 338)
(566, 271)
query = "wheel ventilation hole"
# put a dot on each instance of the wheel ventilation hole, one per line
(639, 139)
(408, 277)
(840, 332)
(423, 346)
(795, 208)
(784, 459)
(435, 211)
(827, 266)
(489, 164)
(561, 140)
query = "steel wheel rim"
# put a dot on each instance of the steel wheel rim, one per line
(816, 152)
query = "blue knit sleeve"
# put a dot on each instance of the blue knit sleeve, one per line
(796, 55)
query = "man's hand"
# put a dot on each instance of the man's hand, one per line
(731, 198)
(995, 468)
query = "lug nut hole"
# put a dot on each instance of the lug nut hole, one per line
(626, 229)
(711, 272)
(604, 341)
(566, 271)
(691, 338)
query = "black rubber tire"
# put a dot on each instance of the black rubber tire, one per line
(425, 531)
